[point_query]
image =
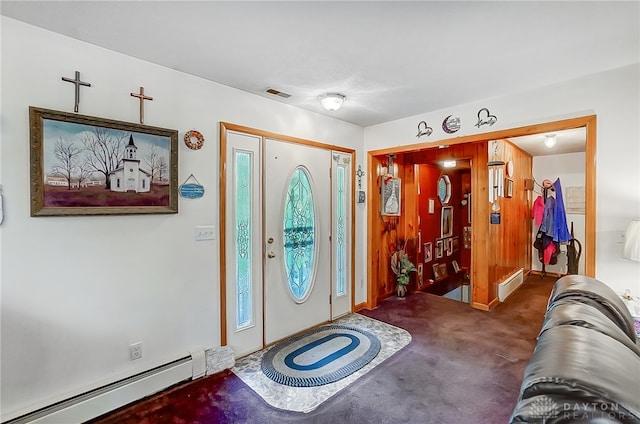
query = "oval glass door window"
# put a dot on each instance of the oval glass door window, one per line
(299, 235)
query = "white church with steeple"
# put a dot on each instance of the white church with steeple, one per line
(129, 176)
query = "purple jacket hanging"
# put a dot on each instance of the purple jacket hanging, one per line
(560, 228)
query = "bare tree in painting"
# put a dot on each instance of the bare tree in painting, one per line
(152, 160)
(163, 168)
(85, 171)
(105, 149)
(67, 154)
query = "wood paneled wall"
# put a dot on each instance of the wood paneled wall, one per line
(497, 249)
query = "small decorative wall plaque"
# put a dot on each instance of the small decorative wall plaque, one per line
(424, 129)
(390, 196)
(191, 188)
(451, 124)
(485, 118)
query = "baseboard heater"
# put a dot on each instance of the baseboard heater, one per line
(510, 284)
(97, 402)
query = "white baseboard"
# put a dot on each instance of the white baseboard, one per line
(102, 400)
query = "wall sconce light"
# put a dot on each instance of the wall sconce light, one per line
(332, 101)
(550, 140)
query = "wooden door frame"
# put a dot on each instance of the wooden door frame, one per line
(226, 126)
(589, 122)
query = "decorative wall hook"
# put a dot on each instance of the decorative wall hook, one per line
(424, 129)
(485, 118)
(360, 174)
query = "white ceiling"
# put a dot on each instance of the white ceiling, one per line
(391, 59)
(567, 141)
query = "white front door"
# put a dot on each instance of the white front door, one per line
(297, 222)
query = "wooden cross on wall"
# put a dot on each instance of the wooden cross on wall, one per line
(142, 98)
(77, 83)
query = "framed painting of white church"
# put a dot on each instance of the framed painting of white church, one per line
(82, 165)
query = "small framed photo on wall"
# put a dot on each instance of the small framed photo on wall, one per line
(439, 248)
(437, 272)
(456, 267)
(427, 252)
(508, 183)
(446, 222)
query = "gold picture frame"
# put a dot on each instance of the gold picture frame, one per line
(83, 165)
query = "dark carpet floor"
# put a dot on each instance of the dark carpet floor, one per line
(462, 366)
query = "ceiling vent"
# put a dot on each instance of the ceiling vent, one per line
(278, 93)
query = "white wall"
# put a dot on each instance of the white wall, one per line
(614, 96)
(74, 297)
(570, 169)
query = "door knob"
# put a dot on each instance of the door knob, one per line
(271, 255)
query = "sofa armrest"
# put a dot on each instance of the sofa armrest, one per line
(582, 367)
(591, 291)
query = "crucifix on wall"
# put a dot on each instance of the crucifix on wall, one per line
(142, 98)
(77, 83)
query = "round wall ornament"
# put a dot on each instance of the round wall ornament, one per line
(451, 124)
(193, 139)
(510, 168)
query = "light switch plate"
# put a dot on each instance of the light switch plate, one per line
(205, 232)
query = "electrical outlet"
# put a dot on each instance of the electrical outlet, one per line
(136, 351)
(621, 237)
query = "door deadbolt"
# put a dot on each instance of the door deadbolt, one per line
(270, 240)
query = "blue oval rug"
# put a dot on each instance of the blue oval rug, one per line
(320, 356)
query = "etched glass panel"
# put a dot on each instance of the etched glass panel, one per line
(341, 251)
(299, 234)
(243, 208)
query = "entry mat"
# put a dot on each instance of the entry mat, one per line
(363, 344)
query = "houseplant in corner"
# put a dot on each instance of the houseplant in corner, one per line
(402, 267)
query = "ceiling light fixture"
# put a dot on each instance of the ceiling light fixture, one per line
(550, 140)
(332, 101)
(449, 163)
